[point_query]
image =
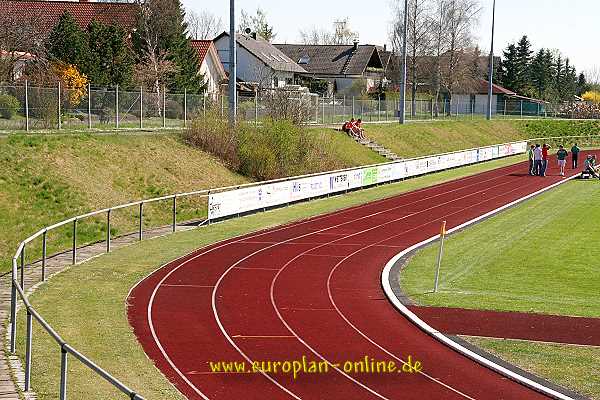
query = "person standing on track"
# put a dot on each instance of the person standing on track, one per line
(575, 155)
(545, 149)
(530, 156)
(562, 159)
(537, 160)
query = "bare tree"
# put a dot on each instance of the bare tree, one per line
(21, 44)
(420, 32)
(592, 76)
(342, 34)
(203, 26)
(257, 23)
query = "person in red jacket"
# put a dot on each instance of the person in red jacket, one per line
(545, 149)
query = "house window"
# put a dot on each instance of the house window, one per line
(276, 82)
(289, 81)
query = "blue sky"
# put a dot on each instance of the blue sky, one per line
(569, 25)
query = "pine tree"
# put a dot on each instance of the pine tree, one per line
(523, 62)
(67, 43)
(166, 21)
(110, 58)
(510, 68)
(582, 85)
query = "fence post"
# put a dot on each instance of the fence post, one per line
(141, 107)
(28, 352)
(256, 107)
(333, 113)
(44, 249)
(141, 231)
(344, 108)
(74, 241)
(505, 105)
(521, 109)
(323, 108)
(204, 106)
(164, 108)
(63, 373)
(117, 107)
(58, 105)
(174, 213)
(89, 106)
(26, 105)
(378, 108)
(185, 108)
(108, 230)
(352, 106)
(222, 106)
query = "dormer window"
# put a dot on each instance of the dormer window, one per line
(304, 60)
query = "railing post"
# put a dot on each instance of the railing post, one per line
(26, 105)
(44, 248)
(141, 230)
(164, 107)
(89, 106)
(63, 374)
(28, 352)
(174, 213)
(23, 268)
(74, 241)
(58, 110)
(117, 107)
(13, 310)
(108, 230)
(141, 107)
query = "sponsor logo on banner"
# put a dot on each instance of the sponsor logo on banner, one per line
(355, 178)
(384, 173)
(277, 193)
(369, 176)
(223, 204)
(251, 198)
(339, 182)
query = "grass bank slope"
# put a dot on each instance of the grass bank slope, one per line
(425, 138)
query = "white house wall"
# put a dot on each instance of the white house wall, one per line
(212, 77)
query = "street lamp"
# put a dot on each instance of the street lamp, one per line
(402, 105)
(491, 66)
(232, 66)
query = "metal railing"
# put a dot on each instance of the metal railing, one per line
(18, 263)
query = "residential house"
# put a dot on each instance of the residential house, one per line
(259, 62)
(210, 66)
(347, 67)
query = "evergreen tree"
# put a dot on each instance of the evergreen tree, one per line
(67, 43)
(523, 61)
(559, 75)
(541, 78)
(166, 21)
(510, 68)
(582, 85)
(110, 59)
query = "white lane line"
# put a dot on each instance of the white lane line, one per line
(385, 281)
(257, 268)
(263, 336)
(190, 286)
(228, 242)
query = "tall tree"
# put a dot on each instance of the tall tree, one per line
(110, 58)
(67, 43)
(203, 26)
(582, 85)
(510, 78)
(162, 37)
(523, 62)
(257, 23)
(341, 34)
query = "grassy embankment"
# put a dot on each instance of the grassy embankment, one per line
(538, 257)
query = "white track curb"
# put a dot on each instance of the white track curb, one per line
(385, 282)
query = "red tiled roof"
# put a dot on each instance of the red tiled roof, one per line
(496, 89)
(84, 12)
(201, 46)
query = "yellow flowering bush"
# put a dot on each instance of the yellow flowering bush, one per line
(592, 96)
(73, 80)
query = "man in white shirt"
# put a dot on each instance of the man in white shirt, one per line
(537, 160)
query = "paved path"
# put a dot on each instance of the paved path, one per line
(8, 389)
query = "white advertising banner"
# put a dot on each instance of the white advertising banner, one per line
(339, 182)
(384, 173)
(223, 204)
(355, 178)
(277, 193)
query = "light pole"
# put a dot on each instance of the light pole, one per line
(402, 105)
(232, 66)
(491, 66)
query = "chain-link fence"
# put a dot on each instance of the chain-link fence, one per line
(25, 107)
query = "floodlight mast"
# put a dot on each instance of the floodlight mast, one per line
(402, 105)
(491, 66)
(232, 66)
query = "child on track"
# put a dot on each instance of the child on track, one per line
(562, 159)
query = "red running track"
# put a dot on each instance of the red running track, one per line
(312, 288)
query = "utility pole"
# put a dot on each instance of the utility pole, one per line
(491, 65)
(402, 104)
(232, 65)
